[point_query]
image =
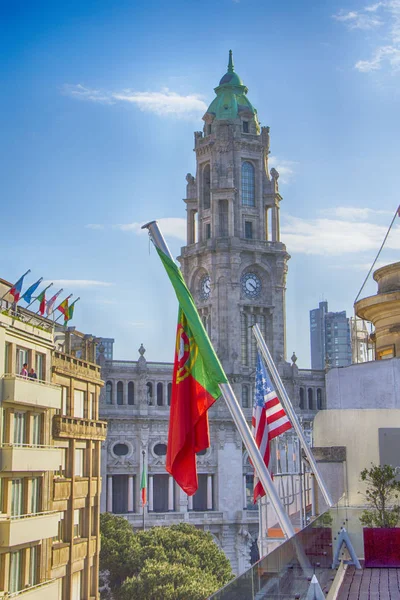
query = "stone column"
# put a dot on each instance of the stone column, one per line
(244, 492)
(209, 493)
(109, 493)
(114, 392)
(190, 502)
(125, 394)
(170, 493)
(151, 493)
(274, 224)
(130, 493)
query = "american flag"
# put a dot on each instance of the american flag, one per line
(269, 419)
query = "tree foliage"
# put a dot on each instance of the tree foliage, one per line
(382, 495)
(162, 563)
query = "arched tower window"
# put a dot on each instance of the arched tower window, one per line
(248, 184)
(319, 399)
(169, 391)
(206, 186)
(245, 396)
(109, 392)
(149, 386)
(160, 390)
(301, 403)
(310, 398)
(131, 393)
(120, 392)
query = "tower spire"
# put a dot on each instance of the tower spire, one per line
(231, 68)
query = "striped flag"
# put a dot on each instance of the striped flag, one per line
(143, 486)
(269, 419)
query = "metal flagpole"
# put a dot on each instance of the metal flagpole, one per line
(238, 418)
(144, 504)
(287, 405)
(34, 300)
(74, 302)
(22, 276)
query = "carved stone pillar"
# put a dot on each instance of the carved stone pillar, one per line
(190, 502)
(130, 493)
(170, 493)
(209, 492)
(109, 493)
(151, 493)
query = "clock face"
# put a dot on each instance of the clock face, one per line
(251, 285)
(205, 287)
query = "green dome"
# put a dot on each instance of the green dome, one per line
(231, 97)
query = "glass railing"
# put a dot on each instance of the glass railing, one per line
(286, 572)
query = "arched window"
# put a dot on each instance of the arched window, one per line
(301, 403)
(310, 399)
(149, 386)
(169, 391)
(248, 184)
(131, 393)
(319, 399)
(120, 392)
(109, 392)
(160, 390)
(245, 396)
(206, 186)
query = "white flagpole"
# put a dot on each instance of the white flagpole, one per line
(238, 418)
(287, 405)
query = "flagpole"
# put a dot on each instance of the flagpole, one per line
(22, 277)
(57, 307)
(144, 505)
(287, 405)
(238, 418)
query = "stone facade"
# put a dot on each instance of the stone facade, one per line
(235, 266)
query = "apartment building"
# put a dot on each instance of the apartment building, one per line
(49, 459)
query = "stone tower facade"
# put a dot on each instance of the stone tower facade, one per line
(234, 262)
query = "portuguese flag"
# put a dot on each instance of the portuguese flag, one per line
(42, 299)
(143, 486)
(197, 373)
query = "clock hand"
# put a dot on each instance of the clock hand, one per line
(253, 287)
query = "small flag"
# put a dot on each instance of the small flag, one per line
(195, 386)
(70, 312)
(143, 486)
(27, 296)
(16, 289)
(63, 308)
(269, 419)
(51, 302)
(42, 299)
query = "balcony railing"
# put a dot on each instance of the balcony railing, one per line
(47, 590)
(75, 427)
(26, 320)
(32, 392)
(70, 365)
(24, 457)
(23, 529)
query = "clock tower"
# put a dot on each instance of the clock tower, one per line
(234, 262)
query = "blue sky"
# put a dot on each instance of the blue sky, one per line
(99, 104)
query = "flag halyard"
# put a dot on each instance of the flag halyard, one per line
(268, 421)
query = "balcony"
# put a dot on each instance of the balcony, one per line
(65, 364)
(49, 590)
(31, 392)
(75, 427)
(62, 488)
(28, 528)
(30, 458)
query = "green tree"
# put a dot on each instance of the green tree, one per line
(164, 563)
(382, 495)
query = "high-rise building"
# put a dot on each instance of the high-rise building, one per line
(50, 440)
(107, 347)
(330, 338)
(235, 266)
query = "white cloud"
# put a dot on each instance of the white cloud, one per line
(95, 226)
(169, 226)
(334, 236)
(385, 13)
(78, 283)
(353, 213)
(164, 103)
(285, 168)
(359, 20)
